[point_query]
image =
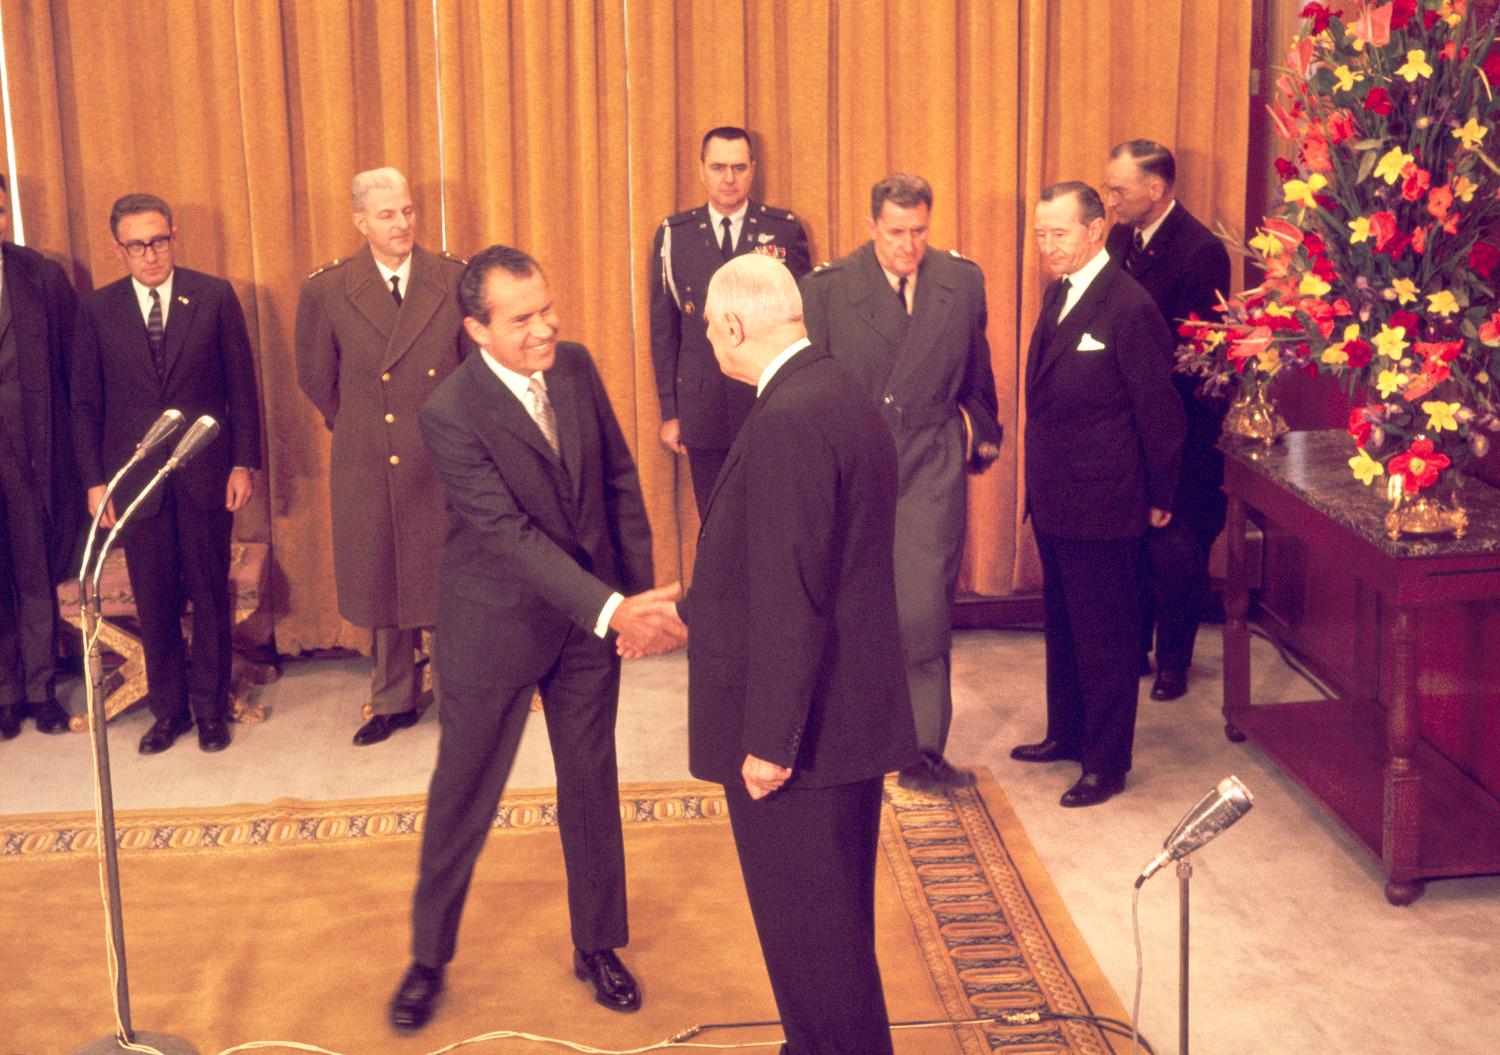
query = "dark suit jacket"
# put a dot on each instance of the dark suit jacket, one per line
(1185, 269)
(1103, 427)
(684, 256)
(534, 545)
(43, 310)
(369, 366)
(117, 394)
(794, 651)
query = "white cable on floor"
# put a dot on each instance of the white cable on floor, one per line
(1135, 1007)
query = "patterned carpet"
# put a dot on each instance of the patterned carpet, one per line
(298, 910)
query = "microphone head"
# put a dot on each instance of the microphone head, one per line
(198, 436)
(1220, 808)
(169, 422)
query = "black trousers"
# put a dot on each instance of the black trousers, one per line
(808, 859)
(181, 554)
(1091, 602)
(704, 464)
(28, 602)
(481, 729)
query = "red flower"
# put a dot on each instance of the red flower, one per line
(1359, 352)
(1429, 19)
(1323, 268)
(1415, 182)
(1491, 67)
(1320, 16)
(1359, 426)
(1418, 466)
(1286, 170)
(1418, 241)
(1341, 126)
(1438, 351)
(1383, 227)
(1313, 243)
(1378, 100)
(1401, 12)
(1489, 331)
(1439, 201)
(1406, 320)
(1448, 50)
(1314, 151)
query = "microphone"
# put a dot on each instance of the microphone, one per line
(198, 436)
(1217, 810)
(169, 422)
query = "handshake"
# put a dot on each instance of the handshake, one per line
(647, 624)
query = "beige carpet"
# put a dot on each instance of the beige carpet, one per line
(288, 921)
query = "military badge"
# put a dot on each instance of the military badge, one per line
(770, 249)
(687, 309)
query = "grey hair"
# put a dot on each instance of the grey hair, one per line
(757, 288)
(367, 181)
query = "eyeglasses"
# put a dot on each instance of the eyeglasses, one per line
(157, 245)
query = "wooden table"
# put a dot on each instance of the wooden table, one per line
(1361, 756)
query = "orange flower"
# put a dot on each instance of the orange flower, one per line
(1439, 201)
(1373, 26)
(1315, 150)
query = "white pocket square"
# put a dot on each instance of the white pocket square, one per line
(1087, 343)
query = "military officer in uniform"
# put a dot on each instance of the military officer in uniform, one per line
(376, 334)
(701, 409)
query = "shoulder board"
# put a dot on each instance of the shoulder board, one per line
(335, 262)
(775, 213)
(460, 261)
(956, 255)
(679, 218)
(827, 265)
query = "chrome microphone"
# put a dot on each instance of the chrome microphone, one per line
(169, 422)
(197, 437)
(1214, 812)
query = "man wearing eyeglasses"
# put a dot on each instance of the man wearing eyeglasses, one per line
(166, 337)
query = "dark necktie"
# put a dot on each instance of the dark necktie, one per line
(726, 247)
(155, 331)
(1052, 310)
(1136, 251)
(396, 288)
(901, 294)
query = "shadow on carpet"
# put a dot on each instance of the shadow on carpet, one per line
(289, 921)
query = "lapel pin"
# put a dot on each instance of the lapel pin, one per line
(181, 299)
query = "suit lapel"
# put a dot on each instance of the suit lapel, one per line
(370, 295)
(179, 319)
(425, 293)
(507, 411)
(871, 297)
(1160, 246)
(930, 311)
(125, 319)
(565, 400)
(1075, 324)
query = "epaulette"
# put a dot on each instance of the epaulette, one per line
(335, 262)
(827, 265)
(460, 261)
(679, 218)
(775, 213)
(956, 255)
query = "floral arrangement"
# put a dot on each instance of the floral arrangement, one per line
(1381, 259)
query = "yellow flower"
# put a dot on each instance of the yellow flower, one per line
(1448, 14)
(1415, 66)
(1267, 245)
(1281, 311)
(1405, 290)
(1351, 331)
(1442, 303)
(1313, 286)
(1269, 359)
(1464, 188)
(1365, 468)
(1361, 229)
(1347, 78)
(1214, 339)
(1440, 415)
(1472, 134)
(1302, 191)
(1334, 355)
(1391, 341)
(1389, 167)
(1389, 381)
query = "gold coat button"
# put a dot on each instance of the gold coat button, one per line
(390, 419)
(385, 377)
(431, 371)
(395, 459)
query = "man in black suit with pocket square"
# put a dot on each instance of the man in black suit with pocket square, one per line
(166, 337)
(1186, 270)
(797, 698)
(1103, 433)
(546, 532)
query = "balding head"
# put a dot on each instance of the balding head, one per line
(754, 312)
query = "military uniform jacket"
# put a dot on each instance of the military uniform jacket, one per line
(42, 310)
(368, 365)
(709, 406)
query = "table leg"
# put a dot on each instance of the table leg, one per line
(1400, 842)
(1236, 633)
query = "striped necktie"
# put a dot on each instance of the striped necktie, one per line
(155, 332)
(541, 413)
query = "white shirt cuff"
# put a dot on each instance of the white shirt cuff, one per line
(601, 625)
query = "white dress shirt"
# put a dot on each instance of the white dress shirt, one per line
(143, 297)
(403, 272)
(1149, 231)
(736, 223)
(780, 361)
(1079, 281)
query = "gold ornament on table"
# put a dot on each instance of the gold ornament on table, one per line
(1252, 415)
(1421, 514)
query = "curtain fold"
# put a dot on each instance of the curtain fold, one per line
(571, 128)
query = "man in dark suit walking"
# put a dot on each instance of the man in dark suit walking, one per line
(701, 409)
(40, 500)
(547, 530)
(165, 337)
(908, 322)
(1103, 431)
(377, 332)
(796, 689)
(1186, 271)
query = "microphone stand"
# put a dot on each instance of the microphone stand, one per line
(1184, 895)
(125, 1038)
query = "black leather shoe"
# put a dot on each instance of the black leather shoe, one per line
(613, 985)
(934, 776)
(50, 716)
(10, 720)
(164, 733)
(1092, 789)
(1170, 685)
(1046, 751)
(213, 734)
(416, 997)
(382, 726)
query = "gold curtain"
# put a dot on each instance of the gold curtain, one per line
(571, 128)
